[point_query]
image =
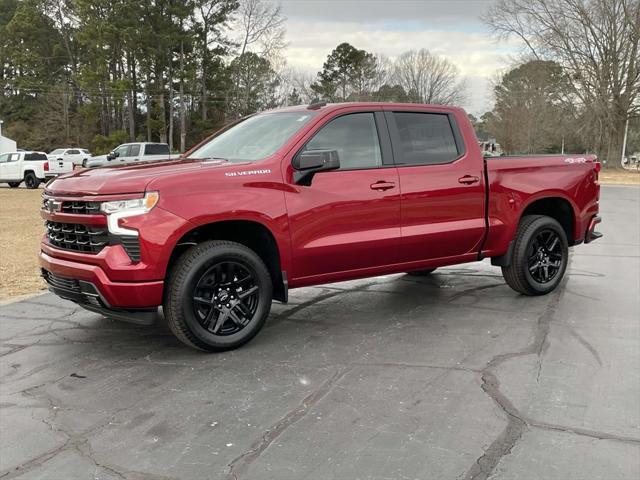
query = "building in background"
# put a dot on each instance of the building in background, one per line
(6, 144)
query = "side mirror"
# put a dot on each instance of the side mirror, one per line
(111, 155)
(310, 162)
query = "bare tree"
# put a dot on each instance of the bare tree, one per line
(429, 79)
(596, 43)
(261, 23)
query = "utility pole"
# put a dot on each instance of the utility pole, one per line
(624, 141)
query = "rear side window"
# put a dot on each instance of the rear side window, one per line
(425, 138)
(354, 137)
(156, 149)
(34, 156)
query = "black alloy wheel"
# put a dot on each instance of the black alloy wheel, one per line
(544, 257)
(217, 295)
(226, 298)
(30, 180)
(539, 258)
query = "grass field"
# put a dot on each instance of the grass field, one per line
(22, 229)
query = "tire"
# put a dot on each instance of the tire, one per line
(422, 273)
(14, 184)
(202, 281)
(31, 181)
(539, 241)
(84, 163)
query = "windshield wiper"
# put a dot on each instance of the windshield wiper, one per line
(215, 158)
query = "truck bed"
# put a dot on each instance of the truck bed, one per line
(517, 182)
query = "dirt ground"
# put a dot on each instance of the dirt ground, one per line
(23, 227)
(20, 236)
(620, 177)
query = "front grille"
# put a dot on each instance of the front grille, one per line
(81, 208)
(79, 238)
(64, 283)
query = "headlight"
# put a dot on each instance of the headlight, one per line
(140, 205)
(117, 209)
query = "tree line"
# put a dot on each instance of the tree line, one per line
(580, 81)
(96, 73)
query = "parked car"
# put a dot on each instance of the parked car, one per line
(79, 156)
(131, 153)
(32, 168)
(304, 196)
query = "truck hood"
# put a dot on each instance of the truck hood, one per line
(126, 179)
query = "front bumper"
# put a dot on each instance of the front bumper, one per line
(87, 295)
(90, 281)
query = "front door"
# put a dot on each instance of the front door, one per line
(347, 219)
(443, 191)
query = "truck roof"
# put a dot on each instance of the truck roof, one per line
(328, 107)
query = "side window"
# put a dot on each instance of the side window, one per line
(72, 152)
(355, 138)
(134, 150)
(4, 158)
(156, 149)
(425, 138)
(122, 150)
(13, 157)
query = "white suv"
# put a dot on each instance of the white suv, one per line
(78, 156)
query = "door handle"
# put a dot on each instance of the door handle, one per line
(382, 185)
(468, 179)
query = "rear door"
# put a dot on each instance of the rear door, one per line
(443, 192)
(347, 219)
(133, 154)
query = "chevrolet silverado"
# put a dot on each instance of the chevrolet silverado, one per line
(303, 196)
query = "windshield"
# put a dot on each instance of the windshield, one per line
(57, 152)
(254, 138)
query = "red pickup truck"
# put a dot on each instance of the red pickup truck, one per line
(303, 196)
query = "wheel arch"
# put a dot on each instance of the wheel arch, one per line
(557, 207)
(250, 233)
(552, 205)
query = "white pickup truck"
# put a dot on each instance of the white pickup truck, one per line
(32, 168)
(128, 153)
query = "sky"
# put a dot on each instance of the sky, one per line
(450, 28)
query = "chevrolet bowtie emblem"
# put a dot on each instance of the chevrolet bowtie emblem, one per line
(54, 206)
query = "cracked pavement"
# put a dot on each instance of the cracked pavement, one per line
(452, 376)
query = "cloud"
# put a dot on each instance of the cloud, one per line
(475, 53)
(437, 12)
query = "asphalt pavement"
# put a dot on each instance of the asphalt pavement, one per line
(453, 376)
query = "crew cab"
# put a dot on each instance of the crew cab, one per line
(131, 153)
(78, 156)
(303, 196)
(32, 168)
